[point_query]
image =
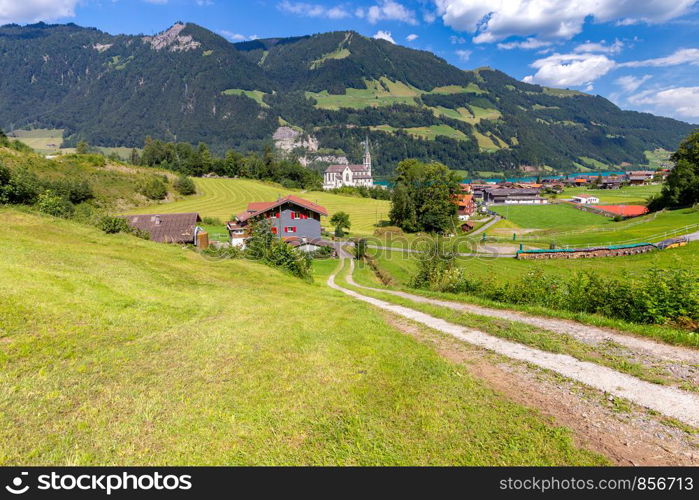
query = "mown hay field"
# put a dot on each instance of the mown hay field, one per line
(223, 198)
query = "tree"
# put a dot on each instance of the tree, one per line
(423, 199)
(135, 159)
(681, 187)
(82, 148)
(341, 221)
(154, 189)
(185, 186)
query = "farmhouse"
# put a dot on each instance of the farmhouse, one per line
(168, 228)
(290, 218)
(586, 199)
(337, 176)
(506, 196)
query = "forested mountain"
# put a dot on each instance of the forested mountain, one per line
(189, 84)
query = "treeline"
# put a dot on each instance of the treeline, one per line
(185, 159)
(681, 188)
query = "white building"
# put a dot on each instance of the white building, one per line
(586, 199)
(337, 176)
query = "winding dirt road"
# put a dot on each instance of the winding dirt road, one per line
(669, 401)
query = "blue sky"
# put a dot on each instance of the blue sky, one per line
(641, 54)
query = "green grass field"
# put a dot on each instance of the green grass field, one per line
(548, 216)
(632, 195)
(223, 198)
(117, 350)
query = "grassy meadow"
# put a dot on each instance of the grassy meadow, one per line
(630, 195)
(222, 198)
(117, 350)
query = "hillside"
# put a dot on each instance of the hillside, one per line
(189, 84)
(119, 350)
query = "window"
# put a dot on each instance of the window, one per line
(295, 215)
(290, 229)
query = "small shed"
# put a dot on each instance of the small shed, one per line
(168, 228)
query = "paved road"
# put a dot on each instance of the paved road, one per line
(669, 401)
(485, 226)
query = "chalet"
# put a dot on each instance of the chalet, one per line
(337, 176)
(466, 205)
(641, 177)
(611, 183)
(168, 228)
(291, 218)
(506, 196)
(586, 199)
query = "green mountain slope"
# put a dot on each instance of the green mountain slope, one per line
(189, 84)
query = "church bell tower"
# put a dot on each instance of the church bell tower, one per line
(367, 156)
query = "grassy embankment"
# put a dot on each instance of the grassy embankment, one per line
(401, 267)
(223, 198)
(120, 350)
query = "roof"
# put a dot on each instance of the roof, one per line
(586, 196)
(258, 208)
(295, 241)
(341, 168)
(166, 228)
(625, 210)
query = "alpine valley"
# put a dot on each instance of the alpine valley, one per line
(316, 96)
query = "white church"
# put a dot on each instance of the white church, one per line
(337, 176)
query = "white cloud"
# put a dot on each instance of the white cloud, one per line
(464, 55)
(384, 35)
(682, 56)
(528, 44)
(412, 37)
(457, 40)
(499, 19)
(313, 10)
(236, 37)
(601, 47)
(631, 83)
(390, 10)
(566, 70)
(31, 11)
(681, 102)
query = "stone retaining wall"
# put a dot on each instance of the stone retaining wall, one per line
(586, 253)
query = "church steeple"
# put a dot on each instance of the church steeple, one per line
(367, 156)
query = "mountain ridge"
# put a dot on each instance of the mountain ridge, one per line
(190, 84)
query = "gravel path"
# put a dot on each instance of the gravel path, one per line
(669, 401)
(585, 333)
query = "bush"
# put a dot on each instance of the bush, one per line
(51, 203)
(264, 246)
(113, 225)
(212, 221)
(154, 189)
(74, 190)
(23, 188)
(659, 296)
(185, 186)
